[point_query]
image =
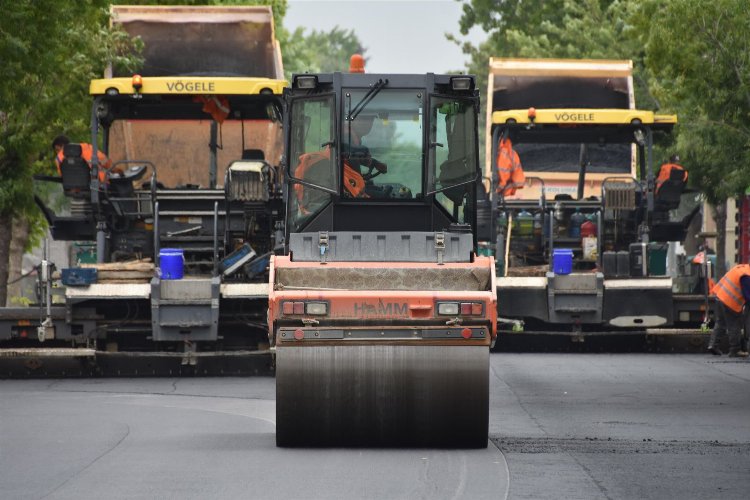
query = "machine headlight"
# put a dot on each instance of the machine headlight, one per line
(306, 81)
(448, 308)
(461, 83)
(316, 308)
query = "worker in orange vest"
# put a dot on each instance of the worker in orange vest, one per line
(509, 169)
(359, 156)
(354, 183)
(732, 291)
(215, 105)
(665, 172)
(354, 180)
(87, 151)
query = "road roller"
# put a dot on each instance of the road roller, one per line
(382, 312)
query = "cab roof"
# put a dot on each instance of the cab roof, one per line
(188, 85)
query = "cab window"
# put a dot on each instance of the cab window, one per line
(382, 145)
(312, 157)
(452, 154)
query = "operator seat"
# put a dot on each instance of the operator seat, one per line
(76, 173)
(666, 199)
(455, 172)
(668, 196)
(248, 179)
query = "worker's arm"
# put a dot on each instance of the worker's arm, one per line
(745, 284)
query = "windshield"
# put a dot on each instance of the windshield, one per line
(382, 146)
(180, 148)
(602, 158)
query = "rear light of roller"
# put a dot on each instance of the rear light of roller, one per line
(287, 308)
(460, 308)
(316, 308)
(300, 308)
(448, 308)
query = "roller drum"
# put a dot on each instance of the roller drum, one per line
(382, 395)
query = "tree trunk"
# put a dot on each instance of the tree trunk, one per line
(17, 246)
(720, 217)
(6, 229)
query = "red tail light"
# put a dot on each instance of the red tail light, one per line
(460, 308)
(299, 308)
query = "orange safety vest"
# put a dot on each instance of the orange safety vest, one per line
(87, 152)
(215, 105)
(729, 289)
(665, 171)
(354, 183)
(509, 169)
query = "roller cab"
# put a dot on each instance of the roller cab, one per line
(381, 312)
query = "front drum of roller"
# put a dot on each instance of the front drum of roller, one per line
(382, 395)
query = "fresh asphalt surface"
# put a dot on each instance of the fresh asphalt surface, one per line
(561, 426)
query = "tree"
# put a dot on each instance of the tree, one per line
(595, 29)
(701, 53)
(48, 61)
(592, 29)
(50, 50)
(319, 51)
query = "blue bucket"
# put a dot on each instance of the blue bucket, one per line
(562, 260)
(171, 263)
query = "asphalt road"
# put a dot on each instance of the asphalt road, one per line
(562, 426)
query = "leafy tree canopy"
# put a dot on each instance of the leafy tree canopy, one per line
(591, 29)
(319, 51)
(50, 50)
(700, 53)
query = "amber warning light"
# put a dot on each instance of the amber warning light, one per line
(356, 64)
(137, 82)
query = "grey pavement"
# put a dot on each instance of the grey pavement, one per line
(622, 426)
(561, 426)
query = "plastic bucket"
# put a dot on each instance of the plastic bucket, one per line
(562, 261)
(171, 263)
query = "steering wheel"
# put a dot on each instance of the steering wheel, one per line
(372, 166)
(360, 157)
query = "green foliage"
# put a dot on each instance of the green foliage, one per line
(576, 29)
(48, 61)
(592, 29)
(318, 51)
(701, 54)
(691, 57)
